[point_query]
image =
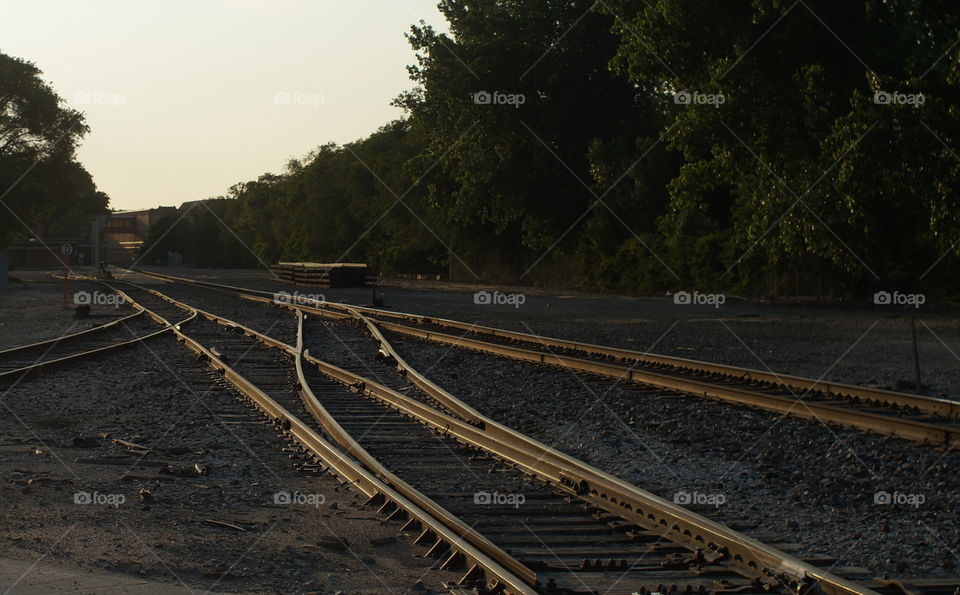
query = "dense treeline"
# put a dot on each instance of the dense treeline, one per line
(763, 146)
(42, 184)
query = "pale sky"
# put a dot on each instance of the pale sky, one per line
(184, 98)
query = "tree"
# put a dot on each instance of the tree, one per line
(39, 179)
(798, 166)
(510, 103)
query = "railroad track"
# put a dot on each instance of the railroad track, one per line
(125, 331)
(913, 417)
(619, 525)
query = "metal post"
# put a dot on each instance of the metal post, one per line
(4, 278)
(916, 355)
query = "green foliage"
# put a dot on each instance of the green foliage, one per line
(515, 178)
(39, 180)
(340, 203)
(799, 166)
(786, 167)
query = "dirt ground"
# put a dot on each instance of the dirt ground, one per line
(34, 310)
(94, 513)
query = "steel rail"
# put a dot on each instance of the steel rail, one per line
(918, 431)
(460, 538)
(18, 374)
(588, 483)
(619, 497)
(933, 405)
(352, 447)
(828, 584)
(50, 343)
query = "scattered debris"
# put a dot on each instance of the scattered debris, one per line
(214, 523)
(130, 445)
(195, 470)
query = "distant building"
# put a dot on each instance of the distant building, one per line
(126, 231)
(121, 240)
(190, 205)
(41, 251)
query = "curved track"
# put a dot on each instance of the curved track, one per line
(913, 417)
(345, 405)
(19, 362)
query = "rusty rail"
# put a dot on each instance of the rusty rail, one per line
(946, 408)
(15, 375)
(884, 424)
(485, 561)
(590, 484)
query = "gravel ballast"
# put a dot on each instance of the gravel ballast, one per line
(74, 496)
(883, 504)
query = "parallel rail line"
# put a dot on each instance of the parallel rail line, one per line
(19, 362)
(710, 543)
(864, 408)
(711, 548)
(481, 565)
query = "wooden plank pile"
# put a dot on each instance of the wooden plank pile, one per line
(316, 274)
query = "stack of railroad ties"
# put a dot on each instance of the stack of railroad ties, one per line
(317, 274)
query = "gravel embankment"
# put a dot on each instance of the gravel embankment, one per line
(797, 481)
